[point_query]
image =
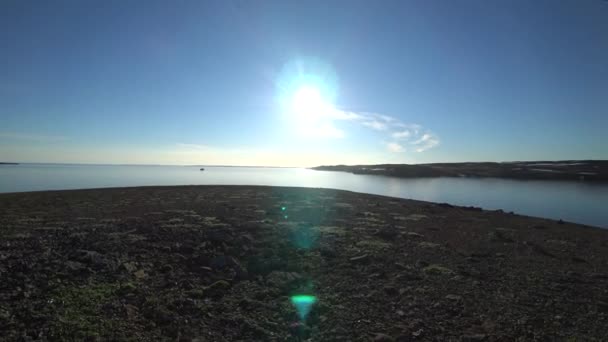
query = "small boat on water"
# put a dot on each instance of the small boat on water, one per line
(202, 169)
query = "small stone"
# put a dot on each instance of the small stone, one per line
(131, 311)
(140, 274)
(328, 252)
(129, 266)
(437, 270)
(74, 266)
(196, 293)
(453, 297)
(421, 263)
(388, 233)
(379, 337)
(127, 288)
(415, 235)
(90, 257)
(426, 244)
(4, 313)
(283, 280)
(220, 284)
(219, 262)
(391, 290)
(359, 258)
(475, 337)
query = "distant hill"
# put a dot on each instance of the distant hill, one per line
(588, 170)
(4, 163)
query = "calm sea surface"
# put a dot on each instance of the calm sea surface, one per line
(571, 201)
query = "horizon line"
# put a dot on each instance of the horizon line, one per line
(305, 167)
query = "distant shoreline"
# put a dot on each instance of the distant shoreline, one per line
(578, 170)
(6, 163)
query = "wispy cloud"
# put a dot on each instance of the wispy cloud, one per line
(425, 142)
(395, 147)
(400, 133)
(31, 137)
(375, 124)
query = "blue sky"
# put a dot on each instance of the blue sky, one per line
(203, 82)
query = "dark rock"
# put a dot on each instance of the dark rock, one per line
(414, 235)
(219, 235)
(74, 266)
(579, 260)
(219, 262)
(421, 263)
(474, 337)
(166, 268)
(328, 252)
(131, 311)
(90, 257)
(388, 233)
(284, 281)
(453, 297)
(391, 290)
(380, 337)
(240, 271)
(501, 235)
(130, 267)
(540, 249)
(218, 288)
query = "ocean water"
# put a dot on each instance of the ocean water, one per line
(580, 202)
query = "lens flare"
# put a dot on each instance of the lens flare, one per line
(303, 304)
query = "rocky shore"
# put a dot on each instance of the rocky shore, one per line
(224, 263)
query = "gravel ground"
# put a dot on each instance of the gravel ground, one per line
(223, 263)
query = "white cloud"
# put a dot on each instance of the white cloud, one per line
(427, 141)
(401, 134)
(374, 124)
(395, 147)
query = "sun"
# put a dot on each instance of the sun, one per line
(308, 102)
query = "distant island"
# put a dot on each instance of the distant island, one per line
(5, 163)
(587, 170)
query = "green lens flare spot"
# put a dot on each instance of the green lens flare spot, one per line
(303, 304)
(283, 208)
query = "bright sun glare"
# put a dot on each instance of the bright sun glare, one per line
(308, 103)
